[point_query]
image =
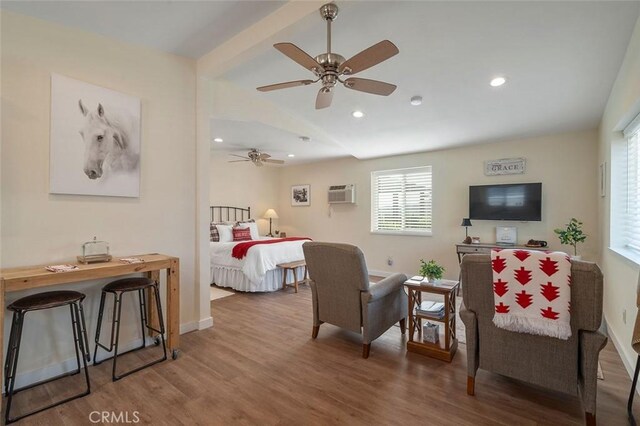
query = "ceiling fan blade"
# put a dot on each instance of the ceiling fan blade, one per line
(324, 98)
(370, 86)
(274, 161)
(239, 156)
(264, 156)
(238, 161)
(285, 85)
(300, 56)
(375, 54)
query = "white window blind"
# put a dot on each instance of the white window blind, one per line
(630, 226)
(401, 201)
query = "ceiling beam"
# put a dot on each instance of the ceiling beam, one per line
(251, 41)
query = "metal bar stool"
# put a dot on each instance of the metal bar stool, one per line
(36, 302)
(118, 288)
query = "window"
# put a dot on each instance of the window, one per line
(625, 191)
(401, 201)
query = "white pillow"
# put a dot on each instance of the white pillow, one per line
(225, 232)
(253, 228)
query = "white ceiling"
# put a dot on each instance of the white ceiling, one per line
(560, 59)
(186, 28)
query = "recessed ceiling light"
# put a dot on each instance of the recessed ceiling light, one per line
(498, 81)
(291, 155)
(305, 138)
(219, 140)
(358, 114)
(416, 100)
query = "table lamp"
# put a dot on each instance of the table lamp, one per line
(270, 214)
(466, 222)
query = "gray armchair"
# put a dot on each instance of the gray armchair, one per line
(343, 296)
(568, 366)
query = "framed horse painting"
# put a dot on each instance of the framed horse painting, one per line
(95, 140)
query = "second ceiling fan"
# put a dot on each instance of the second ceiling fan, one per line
(329, 67)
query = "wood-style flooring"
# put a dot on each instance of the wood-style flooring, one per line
(259, 366)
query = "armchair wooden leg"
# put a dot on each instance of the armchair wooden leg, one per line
(403, 325)
(589, 419)
(314, 333)
(366, 347)
(471, 385)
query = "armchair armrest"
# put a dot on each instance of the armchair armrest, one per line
(591, 343)
(471, 333)
(384, 287)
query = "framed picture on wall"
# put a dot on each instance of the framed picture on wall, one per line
(95, 140)
(300, 195)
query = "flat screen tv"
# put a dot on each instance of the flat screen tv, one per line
(519, 201)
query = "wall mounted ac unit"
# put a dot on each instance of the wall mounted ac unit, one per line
(342, 194)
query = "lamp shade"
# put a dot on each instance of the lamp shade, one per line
(271, 214)
(466, 222)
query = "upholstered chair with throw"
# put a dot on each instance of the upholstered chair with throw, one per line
(569, 366)
(343, 296)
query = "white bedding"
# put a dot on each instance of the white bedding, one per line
(260, 258)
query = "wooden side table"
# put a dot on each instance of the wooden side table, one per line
(443, 350)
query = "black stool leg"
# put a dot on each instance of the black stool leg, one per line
(76, 340)
(83, 332)
(82, 343)
(99, 327)
(632, 420)
(10, 352)
(143, 315)
(14, 366)
(116, 319)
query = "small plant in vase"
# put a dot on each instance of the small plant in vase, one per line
(431, 270)
(572, 235)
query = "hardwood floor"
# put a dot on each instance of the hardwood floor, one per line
(259, 366)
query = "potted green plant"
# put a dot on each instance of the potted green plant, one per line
(431, 270)
(572, 235)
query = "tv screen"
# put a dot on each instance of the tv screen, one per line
(519, 201)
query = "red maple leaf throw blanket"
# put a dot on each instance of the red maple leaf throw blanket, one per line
(240, 250)
(531, 291)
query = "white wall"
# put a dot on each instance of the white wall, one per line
(38, 227)
(566, 165)
(244, 185)
(620, 274)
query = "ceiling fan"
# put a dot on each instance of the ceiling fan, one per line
(330, 67)
(256, 157)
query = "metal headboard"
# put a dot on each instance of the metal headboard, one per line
(228, 213)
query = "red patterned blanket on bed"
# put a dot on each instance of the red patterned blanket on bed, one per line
(240, 250)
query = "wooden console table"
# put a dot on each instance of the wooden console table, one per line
(18, 279)
(462, 249)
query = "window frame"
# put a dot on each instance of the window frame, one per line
(373, 217)
(620, 191)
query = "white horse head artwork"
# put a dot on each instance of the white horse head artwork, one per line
(107, 142)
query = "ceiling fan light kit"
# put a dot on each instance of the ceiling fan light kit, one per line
(257, 158)
(330, 68)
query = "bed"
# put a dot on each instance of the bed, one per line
(257, 271)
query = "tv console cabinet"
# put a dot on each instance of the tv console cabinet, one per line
(462, 249)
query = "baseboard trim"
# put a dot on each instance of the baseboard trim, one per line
(188, 327)
(205, 323)
(629, 364)
(383, 274)
(32, 376)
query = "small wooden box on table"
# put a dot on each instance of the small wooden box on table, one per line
(443, 350)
